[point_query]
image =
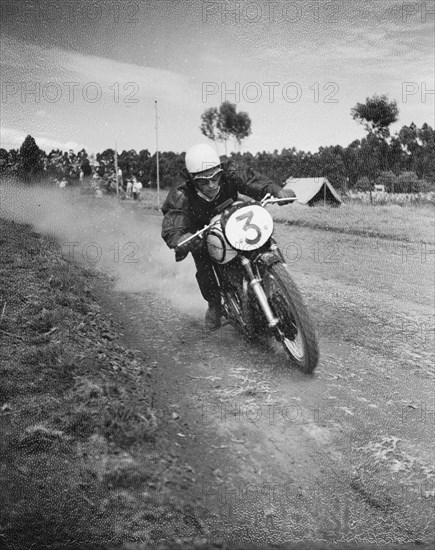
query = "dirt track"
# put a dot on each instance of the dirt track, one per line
(343, 456)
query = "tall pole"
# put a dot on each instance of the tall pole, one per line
(157, 156)
(116, 167)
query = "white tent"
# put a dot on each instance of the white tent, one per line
(313, 190)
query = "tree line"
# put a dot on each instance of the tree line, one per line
(32, 164)
(404, 162)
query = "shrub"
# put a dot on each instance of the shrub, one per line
(389, 180)
(401, 199)
(363, 184)
(407, 183)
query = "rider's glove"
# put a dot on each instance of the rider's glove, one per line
(285, 194)
(182, 250)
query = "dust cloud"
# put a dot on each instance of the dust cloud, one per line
(117, 237)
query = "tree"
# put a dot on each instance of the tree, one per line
(14, 160)
(389, 180)
(106, 160)
(419, 147)
(86, 167)
(242, 127)
(363, 184)
(83, 163)
(352, 160)
(396, 155)
(128, 161)
(425, 166)
(226, 122)
(144, 166)
(209, 123)
(171, 166)
(30, 157)
(408, 182)
(376, 114)
(3, 159)
(370, 159)
(331, 165)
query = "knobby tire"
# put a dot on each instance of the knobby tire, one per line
(291, 300)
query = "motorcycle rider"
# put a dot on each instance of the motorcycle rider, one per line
(191, 205)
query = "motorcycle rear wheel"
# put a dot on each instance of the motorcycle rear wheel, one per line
(294, 330)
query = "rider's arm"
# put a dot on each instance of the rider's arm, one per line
(254, 185)
(176, 224)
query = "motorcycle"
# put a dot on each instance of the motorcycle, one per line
(259, 297)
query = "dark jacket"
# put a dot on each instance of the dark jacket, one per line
(186, 212)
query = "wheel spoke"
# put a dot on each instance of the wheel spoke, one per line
(294, 329)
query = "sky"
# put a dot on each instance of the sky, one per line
(87, 73)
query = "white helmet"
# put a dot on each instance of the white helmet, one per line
(201, 157)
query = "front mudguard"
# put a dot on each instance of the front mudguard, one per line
(270, 257)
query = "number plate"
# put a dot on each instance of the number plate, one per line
(249, 227)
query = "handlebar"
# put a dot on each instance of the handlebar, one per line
(267, 199)
(197, 234)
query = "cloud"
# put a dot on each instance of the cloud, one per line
(209, 58)
(385, 54)
(12, 138)
(30, 61)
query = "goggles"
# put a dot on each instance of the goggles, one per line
(202, 180)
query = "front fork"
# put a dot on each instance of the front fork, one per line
(255, 283)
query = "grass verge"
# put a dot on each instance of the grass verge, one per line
(406, 223)
(78, 458)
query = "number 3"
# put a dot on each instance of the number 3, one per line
(248, 216)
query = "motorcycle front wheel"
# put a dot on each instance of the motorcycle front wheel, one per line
(294, 330)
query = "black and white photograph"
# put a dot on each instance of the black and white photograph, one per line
(217, 266)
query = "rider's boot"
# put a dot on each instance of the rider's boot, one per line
(213, 316)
